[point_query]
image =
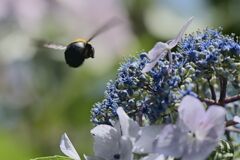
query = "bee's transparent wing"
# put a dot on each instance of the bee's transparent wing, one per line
(109, 24)
(54, 46)
(174, 42)
(67, 147)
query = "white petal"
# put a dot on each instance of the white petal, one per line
(67, 147)
(152, 63)
(117, 126)
(125, 148)
(106, 141)
(103, 131)
(213, 125)
(157, 50)
(191, 112)
(171, 141)
(236, 119)
(145, 143)
(175, 41)
(149, 66)
(129, 127)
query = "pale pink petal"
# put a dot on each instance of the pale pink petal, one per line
(213, 125)
(151, 64)
(157, 50)
(175, 41)
(191, 112)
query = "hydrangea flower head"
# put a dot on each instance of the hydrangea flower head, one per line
(145, 95)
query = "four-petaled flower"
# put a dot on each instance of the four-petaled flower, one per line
(115, 142)
(110, 142)
(196, 133)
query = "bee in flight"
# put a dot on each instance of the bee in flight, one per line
(77, 51)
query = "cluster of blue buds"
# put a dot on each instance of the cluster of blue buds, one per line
(200, 57)
(215, 59)
(151, 95)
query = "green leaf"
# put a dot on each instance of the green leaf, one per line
(52, 158)
(224, 151)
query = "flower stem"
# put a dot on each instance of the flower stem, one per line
(212, 90)
(223, 90)
(230, 123)
(226, 101)
(232, 99)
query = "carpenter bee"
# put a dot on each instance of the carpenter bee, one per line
(77, 51)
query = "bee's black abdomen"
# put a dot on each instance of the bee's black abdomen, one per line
(77, 52)
(74, 54)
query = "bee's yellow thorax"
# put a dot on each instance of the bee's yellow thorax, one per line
(80, 40)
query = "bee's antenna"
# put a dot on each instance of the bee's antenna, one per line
(109, 24)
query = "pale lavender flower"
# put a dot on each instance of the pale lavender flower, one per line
(195, 135)
(115, 142)
(160, 50)
(67, 148)
(109, 144)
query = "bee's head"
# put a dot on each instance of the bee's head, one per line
(84, 45)
(89, 51)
